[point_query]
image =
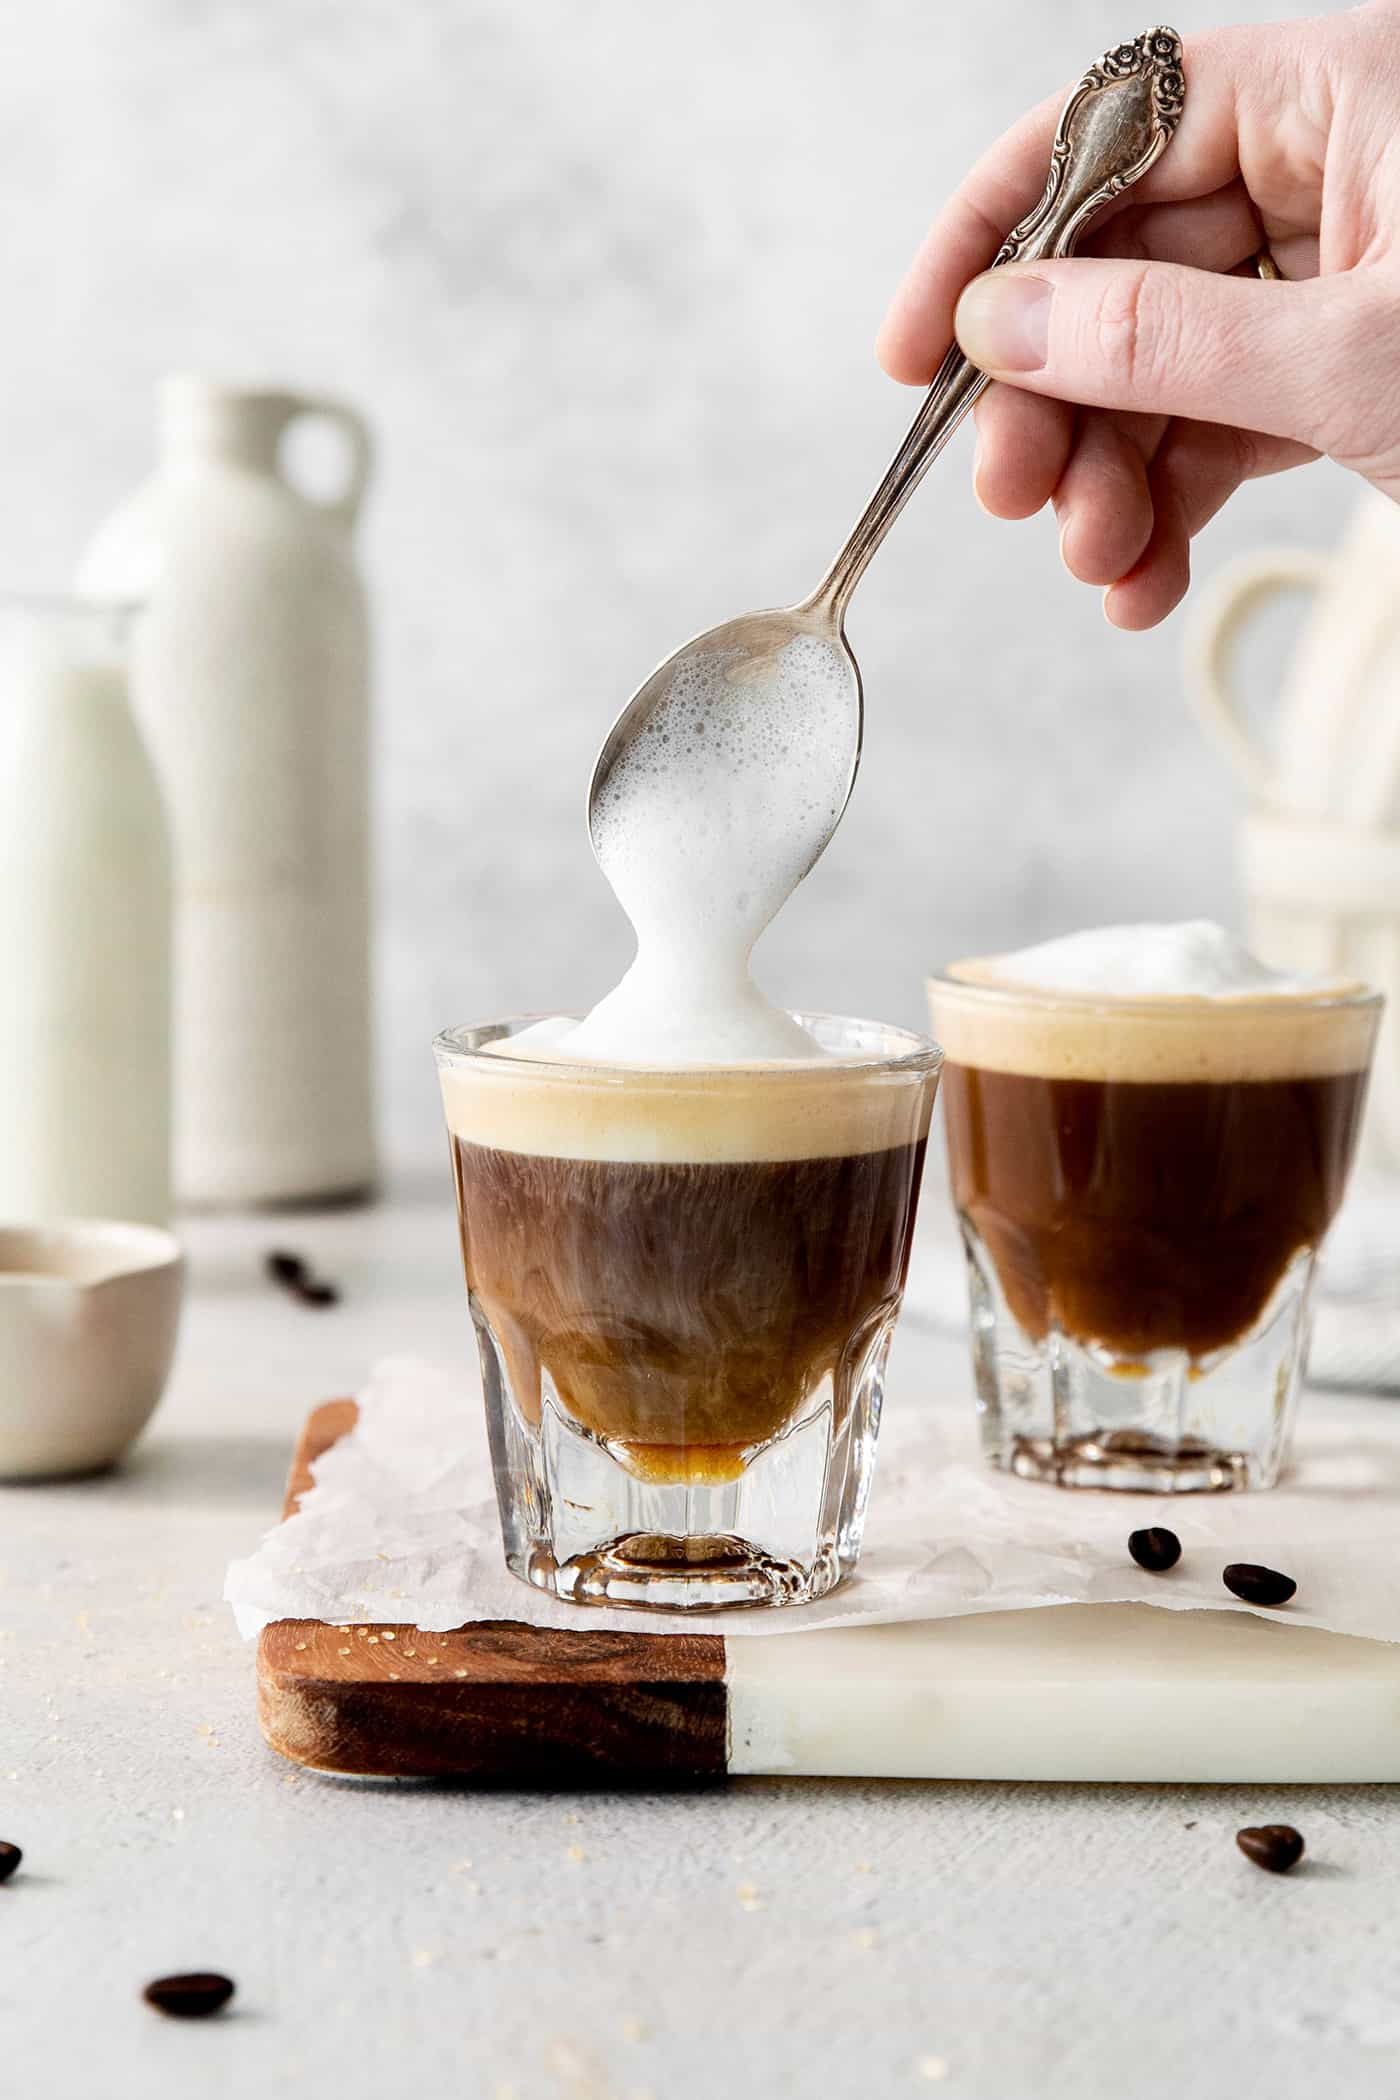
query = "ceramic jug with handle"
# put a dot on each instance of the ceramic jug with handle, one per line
(1335, 748)
(250, 678)
(1321, 841)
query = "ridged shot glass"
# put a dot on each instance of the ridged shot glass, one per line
(1143, 1186)
(684, 1283)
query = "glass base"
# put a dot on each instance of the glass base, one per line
(1083, 1416)
(598, 1523)
(660, 1572)
(1125, 1460)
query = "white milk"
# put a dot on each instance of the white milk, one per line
(84, 928)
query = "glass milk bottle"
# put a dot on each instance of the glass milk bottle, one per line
(250, 681)
(85, 925)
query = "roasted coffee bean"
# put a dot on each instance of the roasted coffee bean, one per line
(1274, 1846)
(191, 1997)
(10, 1857)
(318, 1294)
(1255, 1585)
(296, 1276)
(1155, 1549)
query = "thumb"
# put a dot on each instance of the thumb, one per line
(1288, 359)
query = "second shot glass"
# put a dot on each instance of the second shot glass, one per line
(1143, 1186)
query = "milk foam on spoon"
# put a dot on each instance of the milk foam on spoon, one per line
(704, 831)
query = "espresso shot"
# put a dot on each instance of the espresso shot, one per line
(684, 1284)
(682, 1312)
(1143, 1183)
(1144, 1215)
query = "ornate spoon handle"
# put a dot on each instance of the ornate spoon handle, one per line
(1111, 130)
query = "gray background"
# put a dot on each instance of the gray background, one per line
(606, 276)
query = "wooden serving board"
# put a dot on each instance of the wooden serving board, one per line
(1100, 1692)
(494, 1701)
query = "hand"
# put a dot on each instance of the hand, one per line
(1191, 380)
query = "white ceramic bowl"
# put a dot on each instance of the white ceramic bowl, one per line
(88, 1316)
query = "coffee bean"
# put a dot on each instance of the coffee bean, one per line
(1274, 1846)
(10, 1857)
(1155, 1549)
(318, 1294)
(1255, 1585)
(296, 1276)
(191, 1997)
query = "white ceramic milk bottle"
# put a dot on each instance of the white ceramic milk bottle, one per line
(85, 909)
(250, 679)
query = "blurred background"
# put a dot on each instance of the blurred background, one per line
(605, 278)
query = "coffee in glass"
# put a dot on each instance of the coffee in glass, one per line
(1143, 1177)
(684, 1283)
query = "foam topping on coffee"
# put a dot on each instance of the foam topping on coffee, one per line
(705, 827)
(529, 1100)
(1155, 1003)
(1193, 960)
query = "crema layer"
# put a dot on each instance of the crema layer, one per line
(824, 1109)
(1040, 1034)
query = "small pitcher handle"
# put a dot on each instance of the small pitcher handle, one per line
(1223, 608)
(345, 507)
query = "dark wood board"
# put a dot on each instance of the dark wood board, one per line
(496, 1703)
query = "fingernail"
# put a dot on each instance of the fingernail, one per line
(1003, 322)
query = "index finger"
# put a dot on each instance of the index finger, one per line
(1010, 177)
(967, 233)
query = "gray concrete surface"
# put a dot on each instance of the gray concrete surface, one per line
(775, 1940)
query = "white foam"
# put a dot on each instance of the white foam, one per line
(1195, 959)
(1149, 1003)
(704, 828)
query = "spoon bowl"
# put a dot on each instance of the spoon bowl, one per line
(733, 662)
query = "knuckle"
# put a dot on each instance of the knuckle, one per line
(1244, 453)
(1357, 394)
(1136, 331)
(1356, 325)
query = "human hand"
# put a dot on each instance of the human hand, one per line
(1188, 381)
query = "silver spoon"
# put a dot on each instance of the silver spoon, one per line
(1111, 130)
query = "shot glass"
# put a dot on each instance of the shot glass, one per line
(1143, 1187)
(684, 1284)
